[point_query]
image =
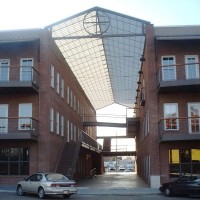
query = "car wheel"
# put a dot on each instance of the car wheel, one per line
(41, 193)
(168, 192)
(20, 191)
(66, 196)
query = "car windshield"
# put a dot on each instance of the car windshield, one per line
(56, 177)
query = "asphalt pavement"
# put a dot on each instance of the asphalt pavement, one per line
(120, 183)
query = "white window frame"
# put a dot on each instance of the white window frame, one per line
(51, 119)
(4, 67)
(195, 66)
(4, 121)
(25, 116)
(58, 83)
(57, 123)
(167, 69)
(196, 120)
(170, 121)
(68, 131)
(52, 76)
(68, 94)
(27, 66)
(62, 88)
(62, 125)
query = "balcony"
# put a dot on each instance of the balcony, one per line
(18, 80)
(178, 78)
(22, 128)
(179, 129)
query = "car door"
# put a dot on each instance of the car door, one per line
(35, 183)
(194, 186)
(180, 186)
(27, 184)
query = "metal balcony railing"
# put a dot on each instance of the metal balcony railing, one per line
(10, 74)
(89, 142)
(181, 73)
(181, 125)
(18, 125)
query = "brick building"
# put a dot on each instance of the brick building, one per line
(42, 110)
(43, 106)
(168, 104)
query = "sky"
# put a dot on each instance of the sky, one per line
(22, 14)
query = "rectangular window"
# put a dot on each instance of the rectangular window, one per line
(71, 131)
(74, 102)
(26, 65)
(62, 125)
(71, 96)
(62, 87)
(3, 118)
(14, 161)
(4, 69)
(25, 116)
(58, 83)
(52, 76)
(57, 123)
(68, 131)
(193, 117)
(171, 116)
(68, 94)
(191, 67)
(168, 68)
(52, 120)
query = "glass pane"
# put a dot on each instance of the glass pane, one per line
(168, 69)
(3, 168)
(194, 122)
(24, 168)
(14, 168)
(174, 156)
(4, 73)
(24, 154)
(192, 68)
(185, 155)
(4, 154)
(14, 154)
(26, 73)
(174, 170)
(186, 169)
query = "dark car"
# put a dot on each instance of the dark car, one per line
(185, 185)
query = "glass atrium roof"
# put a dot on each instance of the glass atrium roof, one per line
(103, 49)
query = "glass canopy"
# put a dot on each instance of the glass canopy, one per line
(103, 48)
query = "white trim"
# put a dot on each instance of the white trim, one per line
(177, 115)
(196, 66)
(8, 62)
(173, 67)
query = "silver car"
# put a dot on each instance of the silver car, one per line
(47, 184)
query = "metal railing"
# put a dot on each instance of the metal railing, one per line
(19, 125)
(19, 74)
(178, 72)
(183, 125)
(119, 148)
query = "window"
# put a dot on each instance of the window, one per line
(25, 116)
(168, 68)
(62, 125)
(183, 161)
(58, 83)
(71, 101)
(62, 87)
(146, 124)
(57, 123)
(71, 131)
(52, 120)
(52, 76)
(14, 161)
(191, 67)
(74, 102)
(171, 115)
(68, 94)
(68, 131)
(4, 69)
(3, 118)
(26, 69)
(193, 117)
